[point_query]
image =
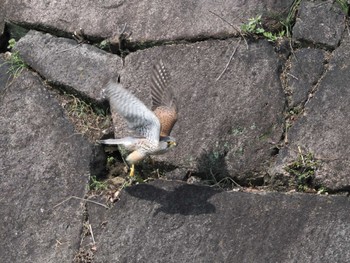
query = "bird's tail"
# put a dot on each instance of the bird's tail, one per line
(127, 141)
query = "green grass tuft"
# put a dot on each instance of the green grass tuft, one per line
(15, 62)
(303, 168)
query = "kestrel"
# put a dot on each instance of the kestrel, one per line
(153, 126)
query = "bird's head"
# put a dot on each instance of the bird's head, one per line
(168, 142)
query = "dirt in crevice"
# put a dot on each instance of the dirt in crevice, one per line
(90, 119)
(87, 247)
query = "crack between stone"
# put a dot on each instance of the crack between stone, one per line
(130, 47)
(317, 84)
(301, 106)
(84, 253)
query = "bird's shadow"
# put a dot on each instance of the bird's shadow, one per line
(184, 199)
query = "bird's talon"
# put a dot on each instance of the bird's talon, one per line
(132, 171)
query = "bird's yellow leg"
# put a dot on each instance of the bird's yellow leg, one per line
(132, 171)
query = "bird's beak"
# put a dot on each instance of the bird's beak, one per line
(172, 143)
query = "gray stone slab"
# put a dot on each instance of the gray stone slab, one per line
(4, 73)
(174, 222)
(148, 20)
(83, 68)
(225, 127)
(42, 163)
(306, 68)
(324, 129)
(320, 22)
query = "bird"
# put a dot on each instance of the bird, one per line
(153, 126)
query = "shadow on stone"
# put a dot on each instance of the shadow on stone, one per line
(184, 199)
(212, 166)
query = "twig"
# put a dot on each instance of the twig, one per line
(67, 49)
(123, 30)
(228, 179)
(92, 235)
(301, 155)
(292, 76)
(223, 179)
(229, 61)
(82, 199)
(233, 26)
(223, 19)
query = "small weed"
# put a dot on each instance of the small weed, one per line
(272, 37)
(14, 60)
(253, 126)
(322, 191)
(290, 20)
(295, 111)
(16, 64)
(97, 185)
(343, 5)
(237, 131)
(255, 27)
(12, 43)
(110, 160)
(137, 179)
(303, 169)
(226, 146)
(104, 44)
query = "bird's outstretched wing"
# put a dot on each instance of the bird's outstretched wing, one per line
(163, 99)
(138, 116)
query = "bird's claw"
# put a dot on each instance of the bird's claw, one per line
(132, 171)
